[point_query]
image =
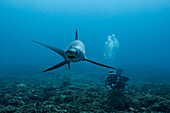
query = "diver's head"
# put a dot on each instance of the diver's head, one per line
(111, 72)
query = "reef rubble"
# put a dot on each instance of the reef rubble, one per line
(16, 97)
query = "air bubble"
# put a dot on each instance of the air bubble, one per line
(110, 47)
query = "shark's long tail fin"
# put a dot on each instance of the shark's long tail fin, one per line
(76, 35)
(57, 50)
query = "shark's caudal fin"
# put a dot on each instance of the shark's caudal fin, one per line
(59, 51)
(99, 64)
(76, 35)
(69, 65)
(57, 66)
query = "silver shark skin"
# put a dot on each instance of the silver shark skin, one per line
(75, 52)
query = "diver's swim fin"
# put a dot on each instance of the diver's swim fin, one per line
(99, 64)
(124, 79)
(59, 51)
(57, 66)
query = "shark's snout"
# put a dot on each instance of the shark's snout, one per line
(68, 51)
(71, 51)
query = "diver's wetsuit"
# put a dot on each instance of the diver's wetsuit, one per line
(115, 81)
(112, 80)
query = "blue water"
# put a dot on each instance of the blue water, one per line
(142, 28)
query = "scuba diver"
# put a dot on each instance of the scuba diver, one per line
(115, 80)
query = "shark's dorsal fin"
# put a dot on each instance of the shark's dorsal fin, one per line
(76, 35)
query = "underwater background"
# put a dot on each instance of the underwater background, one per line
(140, 28)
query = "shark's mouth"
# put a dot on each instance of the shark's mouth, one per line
(71, 57)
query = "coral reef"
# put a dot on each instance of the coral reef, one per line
(43, 96)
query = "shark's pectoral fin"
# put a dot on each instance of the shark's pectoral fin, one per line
(99, 64)
(59, 51)
(56, 66)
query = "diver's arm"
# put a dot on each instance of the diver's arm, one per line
(103, 77)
